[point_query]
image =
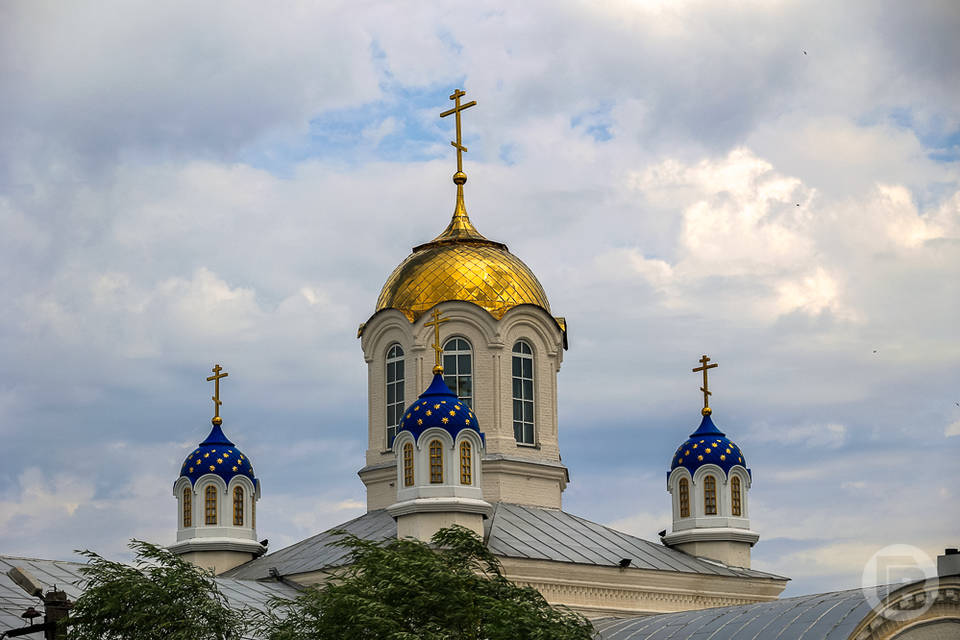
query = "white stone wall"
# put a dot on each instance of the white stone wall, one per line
(222, 546)
(224, 527)
(723, 537)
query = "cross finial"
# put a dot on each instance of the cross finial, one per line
(705, 388)
(438, 367)
(215, 378)
(459, 178)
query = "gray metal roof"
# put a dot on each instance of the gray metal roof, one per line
(550, 534)
(67, 577)
(515, 531)
(821, 616)
(315, 553)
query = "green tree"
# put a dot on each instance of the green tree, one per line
(406, 590)
(161, 597)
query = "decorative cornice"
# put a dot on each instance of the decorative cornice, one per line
(441, 505)
(711, 535)
(217, 544)
(499, 463)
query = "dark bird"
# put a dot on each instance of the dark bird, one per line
(30, 614)
(662, 533)
(957, 403)
(265, 542)
(804, 52)
(798, 204)
(624, 563)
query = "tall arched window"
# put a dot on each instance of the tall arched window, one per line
(458, 368)
(735, 496)
(523, 393)
(408, 465)
(684, 498)
(187, 507)
(210, 505)
(238, 506)
(710, 496)
(466, 463)
(394, 391)
(436, 462)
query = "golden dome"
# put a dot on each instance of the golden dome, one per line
(461, 264)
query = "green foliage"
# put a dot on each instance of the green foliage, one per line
(162, 597)
(406, 590)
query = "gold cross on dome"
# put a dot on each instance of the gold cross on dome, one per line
(457, 94)
(438, 367)
(705, 388)
(215, 378)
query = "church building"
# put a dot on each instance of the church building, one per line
(463, 351)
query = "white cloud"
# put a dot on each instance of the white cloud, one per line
(831, 435)
(953, 429)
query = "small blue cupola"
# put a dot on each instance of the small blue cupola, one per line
(217, 455)
(438, 406)
(708, 445)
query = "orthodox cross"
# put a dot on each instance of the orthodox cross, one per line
(705, 388)
(456, 110)
(215, 378)
(438, 367)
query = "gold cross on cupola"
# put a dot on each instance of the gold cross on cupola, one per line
(459, 177)
(438, 367)
(705, 388)
(215, 379)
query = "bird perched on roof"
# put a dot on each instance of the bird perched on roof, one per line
(30, 614)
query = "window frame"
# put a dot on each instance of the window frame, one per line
(435, 453)
(408, 469)
(683, 497)
(709, 495)
(238, 507)
(210, 505)
(524, 430)
(736, 497)
(458, 354)
(187, 505)
(393, 411)
(466, 463)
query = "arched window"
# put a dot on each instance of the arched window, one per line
(210, 505)
(238, 506)
(684, 498)
(735, 496)
(408, 465)
(187, 507)
(458, 368)
(436, 462)
(466, 468)
(523, 393)
(394, 391)
(710, 496)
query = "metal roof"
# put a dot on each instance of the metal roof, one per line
(550, 534)
(514, 531)
(67, 577)
(821, 616)
(315, 553)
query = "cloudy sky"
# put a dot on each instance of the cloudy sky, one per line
(773, 183)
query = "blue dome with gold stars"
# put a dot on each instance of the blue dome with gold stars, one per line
(219, 456)
(708, 445)
(439, 407)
